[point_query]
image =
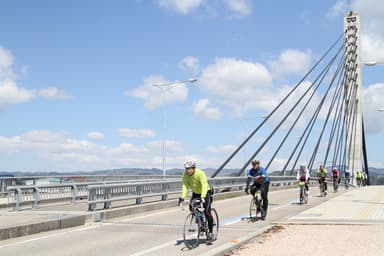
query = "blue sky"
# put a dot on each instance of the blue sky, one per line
(76, 77)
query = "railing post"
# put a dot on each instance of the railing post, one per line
(18, 199)
(91, 199)
(107, 196)
(164, 189)
(139, 192)
(36, 196)
(74, 193)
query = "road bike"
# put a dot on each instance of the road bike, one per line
(322, 187)
(346, 182)
(335, 184)
(256, 206)
(303, 193)
(196, 224)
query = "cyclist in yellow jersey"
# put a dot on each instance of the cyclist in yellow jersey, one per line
(196, 180)
(322, 175)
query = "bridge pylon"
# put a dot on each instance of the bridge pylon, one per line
(353, 95)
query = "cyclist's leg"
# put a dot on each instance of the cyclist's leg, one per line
(264, 195)
(253, 189)
(194, 195)
(207, 207)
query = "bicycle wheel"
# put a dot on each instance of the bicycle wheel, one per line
(301, 194)
(322, 193)
(305, 196)
(191, 231)
(215, 227)
(252, 209)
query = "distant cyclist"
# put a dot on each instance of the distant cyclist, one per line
(322, 176)
(303, 175)
(347, 176)
(262, 183)
(196, 180)
(359, 178)
(335, 178)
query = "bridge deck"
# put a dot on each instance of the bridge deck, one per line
(159, 232)
(357, 206)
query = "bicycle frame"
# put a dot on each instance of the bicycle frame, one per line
(196, 224)
(303, 195)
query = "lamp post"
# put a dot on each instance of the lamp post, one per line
(163, 88)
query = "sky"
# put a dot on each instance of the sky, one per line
(76, 77)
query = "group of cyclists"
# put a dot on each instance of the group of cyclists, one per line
(196, 180)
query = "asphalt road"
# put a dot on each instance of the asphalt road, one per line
(158, 232)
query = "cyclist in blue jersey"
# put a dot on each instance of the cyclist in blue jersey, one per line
(262, 184)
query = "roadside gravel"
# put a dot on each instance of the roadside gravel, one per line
(304, 240)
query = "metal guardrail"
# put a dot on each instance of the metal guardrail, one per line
(107, 194)
(6, 181)
(35, 194)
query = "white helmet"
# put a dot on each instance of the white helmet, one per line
(189, 164)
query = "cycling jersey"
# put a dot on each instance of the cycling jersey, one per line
(322, 173)
(197, 182)
(335, 173)
(258, 172)
(303, 175)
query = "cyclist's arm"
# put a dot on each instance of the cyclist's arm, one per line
(185, 188)
(204, 185)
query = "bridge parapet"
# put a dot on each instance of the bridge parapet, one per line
(162, 190)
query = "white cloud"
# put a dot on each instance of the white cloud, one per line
(134, 133)
(96, 135)
(372, 48)
(189, 65)
(221, 149)
(338, 9)
(372, 101)
(372, 34)
(180, 6)
(171, 146)
(152, 95)
(240, 7)
(292, 61)
(6, 62)
(202, 108)
(53, 93)
(10, 93)
(63, 152)
(235, 83)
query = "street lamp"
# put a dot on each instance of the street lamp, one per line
(163, 88)
(372, 63)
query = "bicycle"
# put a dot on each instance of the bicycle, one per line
(256, 206)
(196, 224)
(322, 188)
(346, 183)
(335, 184)
(303, 193)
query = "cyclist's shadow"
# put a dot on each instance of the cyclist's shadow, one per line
(202, 241)
(252, 219)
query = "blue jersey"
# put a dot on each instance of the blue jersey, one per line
(260, 171)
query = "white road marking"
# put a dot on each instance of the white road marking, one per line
(49, 236)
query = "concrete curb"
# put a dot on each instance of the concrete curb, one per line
(226, 248)
(63, 221)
